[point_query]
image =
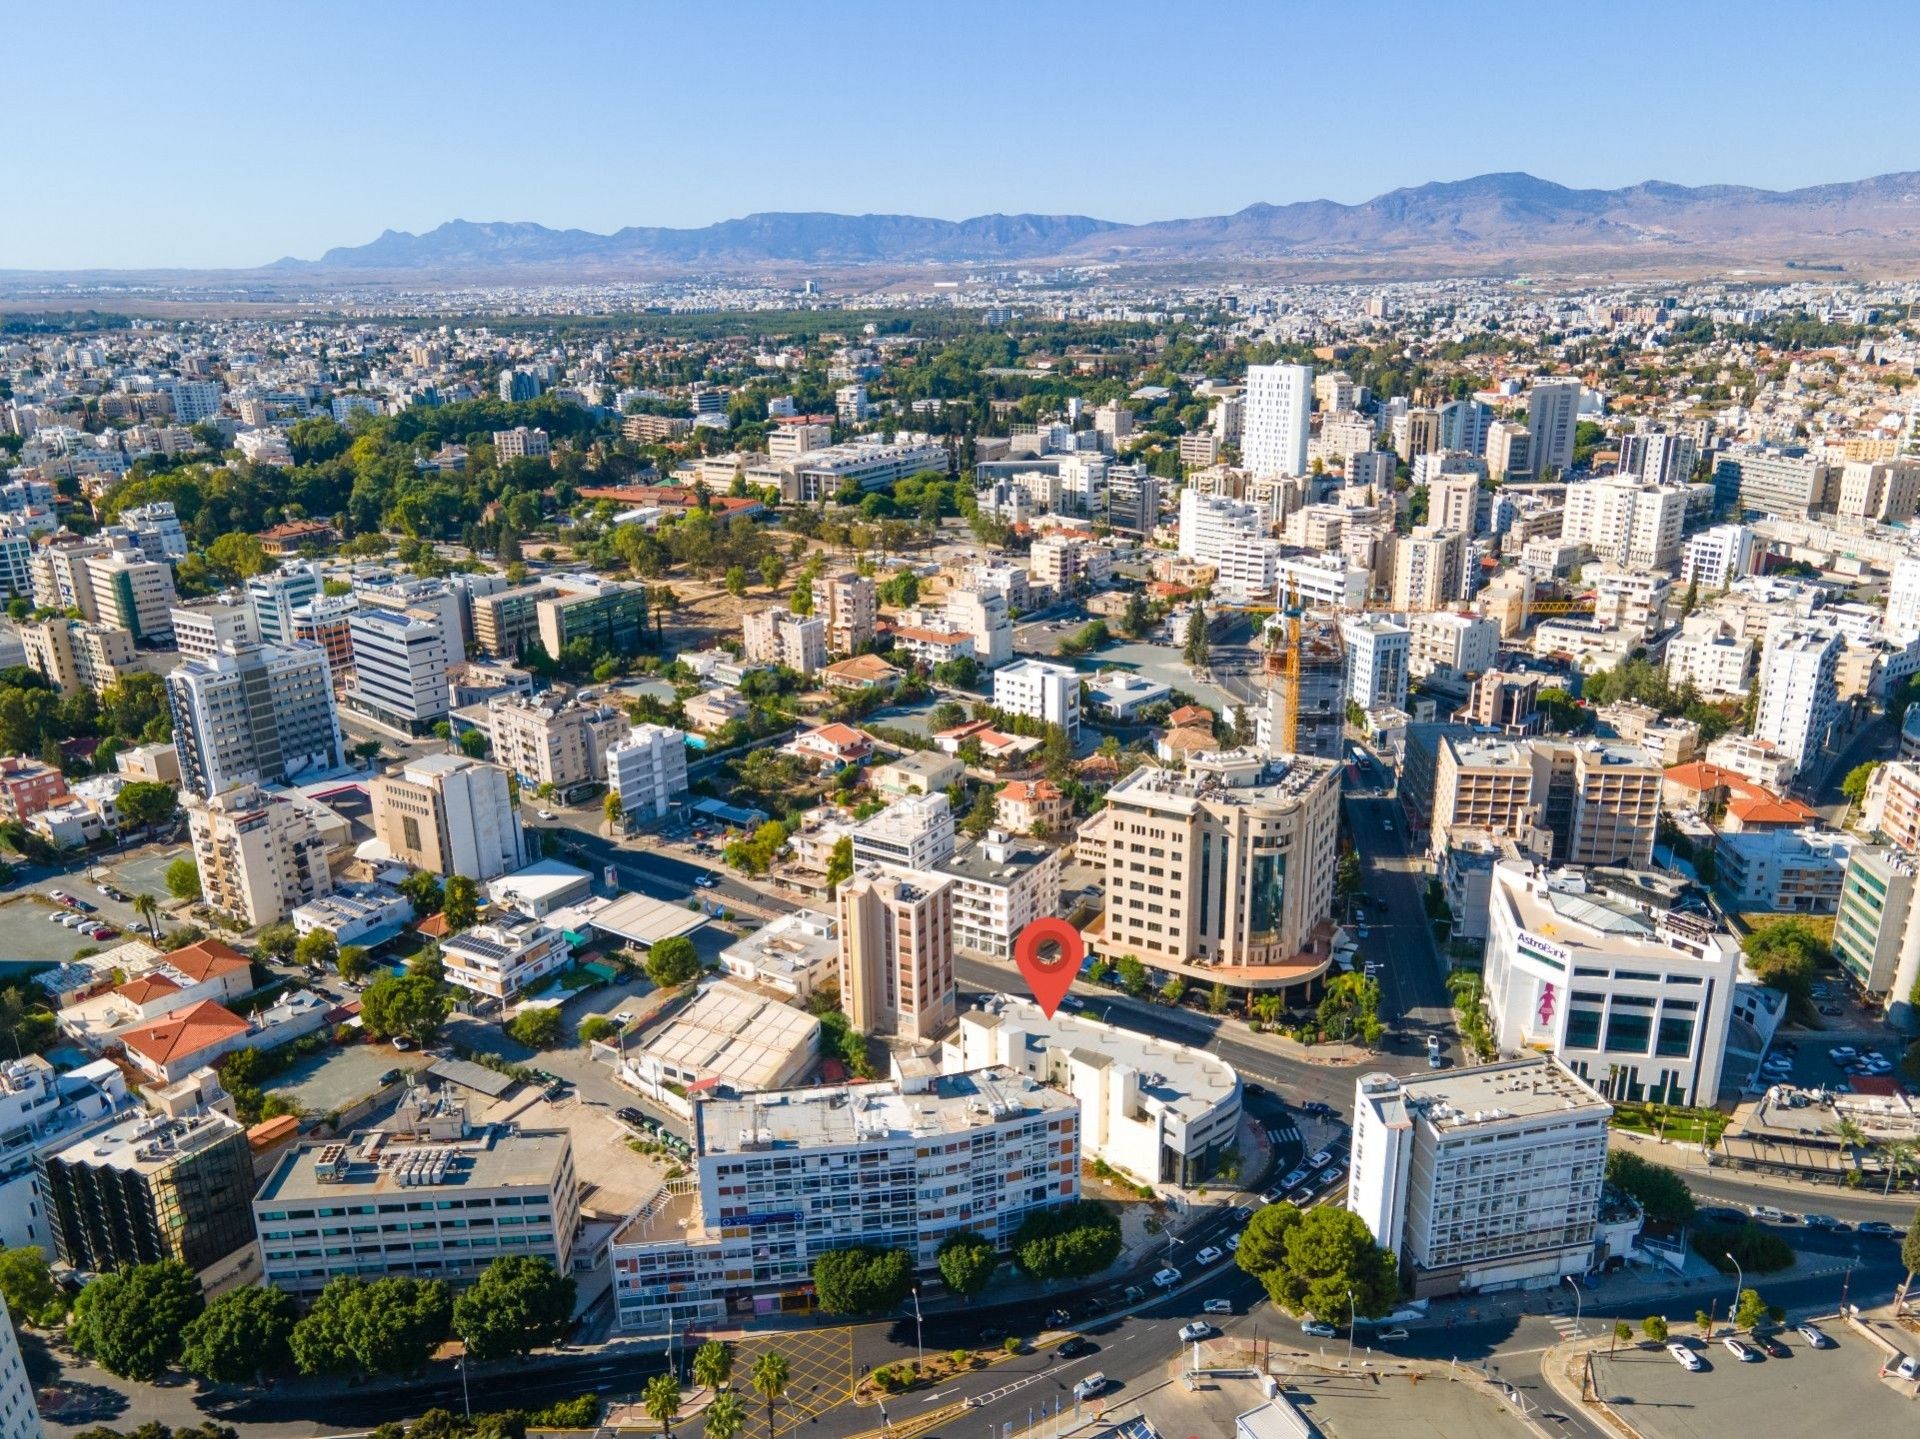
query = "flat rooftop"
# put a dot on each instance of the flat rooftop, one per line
(735, 1036)
(997, 859)
(147, 1144)
(870, 1113)
(379, 1163)
(1187, 1082)
(1593, 920)
(1536, 1086)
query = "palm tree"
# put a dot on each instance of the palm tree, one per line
(1852, 1139)
(712, 1363)
(1901, 1156)
(726, 1416)
(770, 1375)
(661, 1400)
(149, 912)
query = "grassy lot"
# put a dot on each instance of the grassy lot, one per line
(1672, 1121)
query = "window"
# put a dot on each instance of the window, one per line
(1676, 1036)
(1629, 1032)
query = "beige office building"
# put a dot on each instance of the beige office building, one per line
(546, 741)
(449, 814)
(896, 952)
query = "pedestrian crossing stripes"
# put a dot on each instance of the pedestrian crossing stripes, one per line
(1567, 1329)
(1287, 1134)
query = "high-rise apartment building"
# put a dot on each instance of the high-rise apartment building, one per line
(1771, 482)
(647, 770)
(131, 592)
(521, 443)
(277, 594)
(202, 628)
(1001, 884)
(548, 741)
(1876, 929)
(399, 669)
(451, 815)
(1553, 412)
(896, 952)
(1227, 865)
(1429, 570)
(78, 654)
(1799, 702)
(1659, 457)
(1376, 661)
(1509, 451)
(1715, 558)
(776, 636)
(1209, 524)
(1453, 499)
(1482, 1179)
(1464, 425)
(260, 856)
(845, 603)
(150, 1189)
(327, 621)
(1276, 419)
(19, 1417)
(982, 615)
(1626, 521)
(259, 714)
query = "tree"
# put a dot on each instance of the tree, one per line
(661, 1400)
(243, 1335)
(413, 1005)
(1173, 991)
(423, 892)
(597, 1027)
(1854, 786)
(712, 1364)
(352, 962)
(316, 948)
(1263, 1243)
(1133, 974)
(1070, 1242)
(460, 903)
(382, 1326)
(1784, 955)
(27, 1286)
(1219, 998)
(725, 1416)
(861, 1279)
(517, 1305)
(1658, 1190)
(235, 556)
(771, 1374)
(1705, 1322)
(1654, 1326)
(614, 809)
(183, 879)
(148, 908)
(1622, 1334)
(672, 961)
(1751, 1310)
(840, 863)
(1133, 621)
(1325, 1255)
(967, 1262)
(538, 1026)
(1197, 646)
(737, 581)
(1910, 1248)
(143, 804)
(773, 570)
(131, 1321)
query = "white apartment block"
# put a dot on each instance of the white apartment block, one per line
(259, 714)
(19, 1416)
(1344, 434)
(1040, 690)
(1798, 699)
(1327, 581)
(786, 1175)
(777, 637)
(1626, 521)
(647, 770)
(203, 629)
(552, 744)
(521, 443)
(1378, 650)
(260, 857)
(1636, 1004)
(1276, 419)
(1711, 655)
(1249, 568)
(914, 833)
(1553, 412)
(1715, 558)
(500, 959)
(399, 669)
(981, 615)
(1001, 884)
(1482, 1179)
(1903, 599)
(427, 1196)
(1210, 523)
(44, 1110)
(1630, 599)
(1449, 642)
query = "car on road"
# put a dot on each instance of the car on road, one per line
(1767, 1214)
(1879, 1227)
(1843, 1054)
(623, 1018)
(1197, 1330)
(1301, 1197)
(1330, 1176)
(1745, 1353)
(1722, 1214)
(1816, 1336)
(1317, 1329)
(1075, 1347)
(1093, 1384)
(630, 1116)
(1233, 1243)
(1212, 1254)
(1166, 1278)
(705, 881)
(1295, 1178)
(1390, 1336)
(1217, 1306)
(1686, 1358)
(546, 814)
(1826, 1221)
(1272, 1196)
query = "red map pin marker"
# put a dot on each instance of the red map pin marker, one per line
(1049, 979)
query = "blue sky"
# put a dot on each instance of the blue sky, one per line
(201, 134)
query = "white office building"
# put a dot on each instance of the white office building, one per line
(1377, 654)
(19, 1418)
(1636, 1004)
(648, 771)
(399, 669)
(1553, 412)
(1715, 558)
(1276, 418)
(1040, 690)
(1482, 1179)
(913, 833)
(1799, 701)
(1001, 884)
(1210, 524)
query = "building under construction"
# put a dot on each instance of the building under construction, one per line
(1306, 677)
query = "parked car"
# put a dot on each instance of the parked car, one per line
(1301, 1197)
(1233, 1243)
(1878, 1227)
(706, 881)
(1317, 1329)
(392, 1075)
(1295, 1178)
(1217, 1306)
(1686, 1358)
(1059, 1319)
(1767, 1214)
(1816, 1336)
(545, 813)
(1330, 1175)
(1093, 1384)
(1908, 1368)
(1823, 1221)
(1196, 1330)
(1320, 1159)
(1843, 1053)
(1166, 1278)
(1212, 1254)
(1745, 1353)
(1773, 1347)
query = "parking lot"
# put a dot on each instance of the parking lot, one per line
(1807, 1393)
(1355, 1407)
(338, 1078)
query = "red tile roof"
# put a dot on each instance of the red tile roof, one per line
(184, 1032)
(146, 987)
(206, 958)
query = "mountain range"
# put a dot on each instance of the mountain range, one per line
(1487, 222)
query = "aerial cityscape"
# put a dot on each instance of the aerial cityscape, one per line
(758, 796)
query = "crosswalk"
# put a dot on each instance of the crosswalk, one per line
(1284, 1134)
(1563, 1325)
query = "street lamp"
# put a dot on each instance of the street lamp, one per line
(466, 1401)
(1578, 1332)
(1739, 1283)
(919, 1348)
(1353, 1318)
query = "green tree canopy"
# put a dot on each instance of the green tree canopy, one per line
(967, 1261)
(27, 1285)
(143, 803)
(131, 1321)
(539, 1026)
(1661, 1192)
(1324, 1254)
(183, 879)
(1070, 1242)
(413, 1005)
(518, 1304)
(861, 1279)
(243, 1335)
(383, 1326)
(1854, 786)
(672, 961)
(460, 903)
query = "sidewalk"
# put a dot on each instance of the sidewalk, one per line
(1694, 1162)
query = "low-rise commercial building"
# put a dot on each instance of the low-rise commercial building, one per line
(727, 1036)
(502, 957)
(792, 955)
